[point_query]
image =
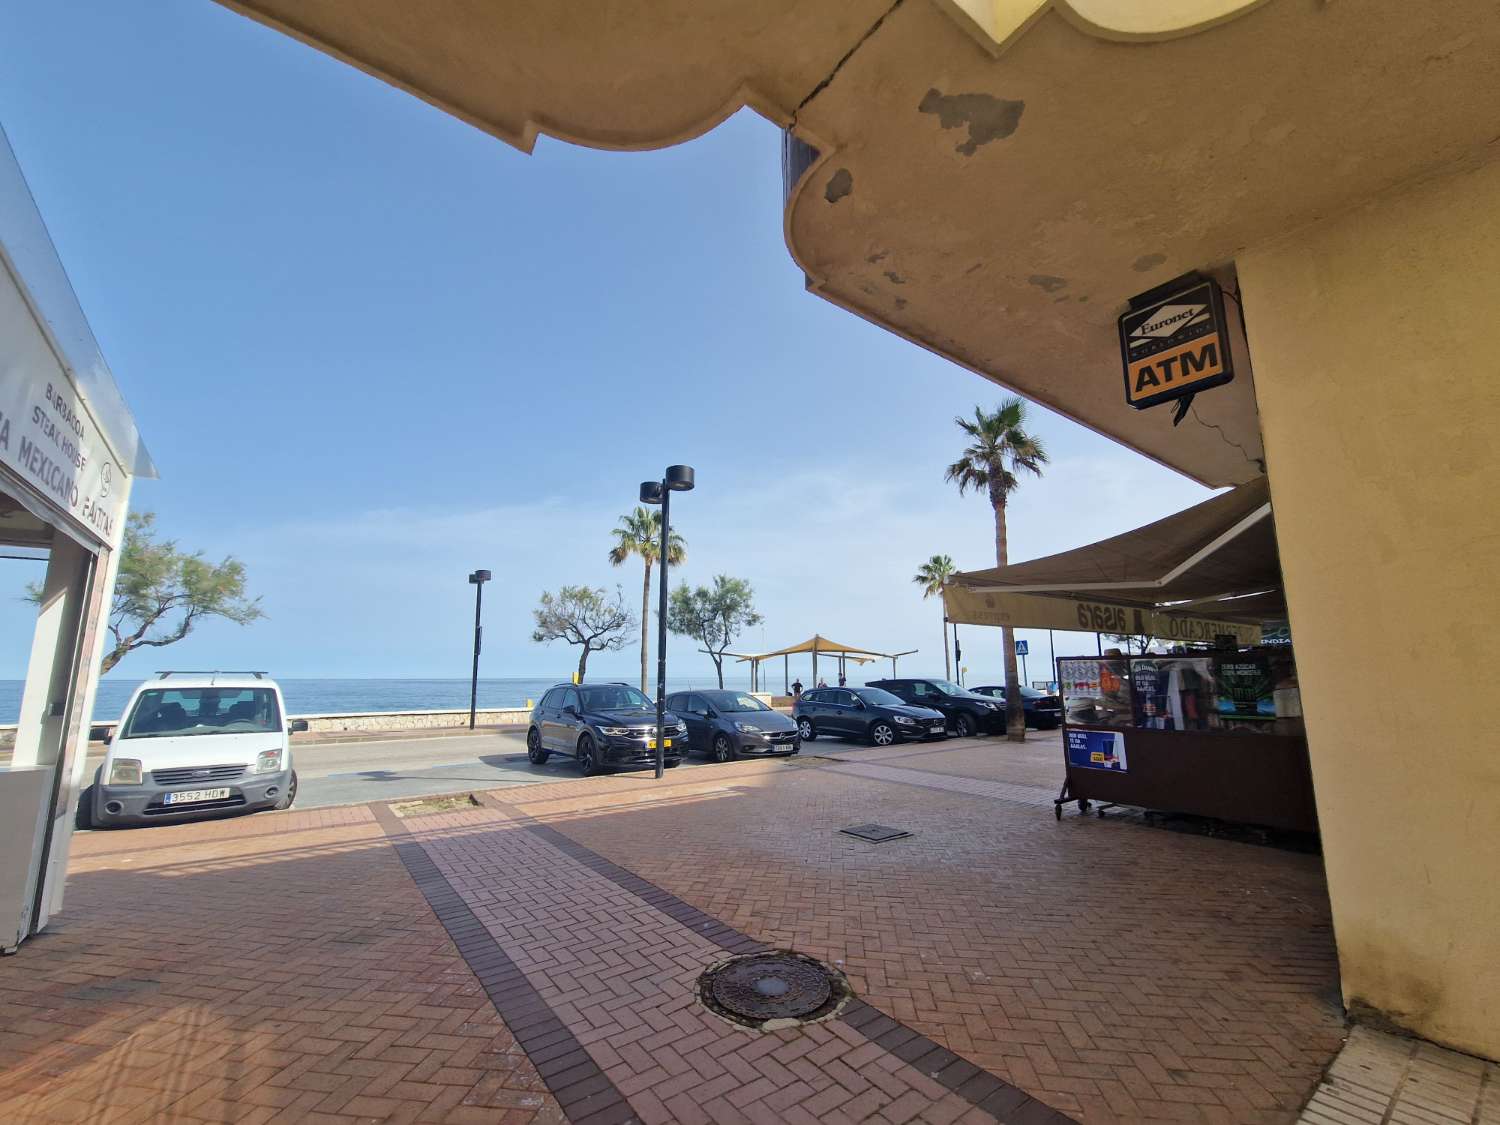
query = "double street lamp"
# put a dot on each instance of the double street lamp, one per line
(678, 478)
(477, 580)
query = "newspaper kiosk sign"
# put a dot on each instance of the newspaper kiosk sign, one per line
(1174, 342)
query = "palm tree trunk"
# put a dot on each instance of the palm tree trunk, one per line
(1015, 716)
(645, 622)
(947, 665)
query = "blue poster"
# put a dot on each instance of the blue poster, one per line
(1096, 749)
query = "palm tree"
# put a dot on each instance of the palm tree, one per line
(639, 533)
(930, 576)
(999, 449)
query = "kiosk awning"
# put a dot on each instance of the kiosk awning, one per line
(816, 643)
(1210, 569)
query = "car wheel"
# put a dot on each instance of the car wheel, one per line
(286, 799)
(963, 726)
(85, 815)
(588, 757)
(805, 730)
(534, 752)
(724, 750)
(882, 734)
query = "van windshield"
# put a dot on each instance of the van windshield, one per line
(175, 712)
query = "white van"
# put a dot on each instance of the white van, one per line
(195, 743)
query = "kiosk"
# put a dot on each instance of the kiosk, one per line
(69, 451)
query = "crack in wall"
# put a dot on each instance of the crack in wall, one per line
(838, 66)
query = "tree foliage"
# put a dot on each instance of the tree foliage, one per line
(931, 576)
(713, 615)
(639, 533)
(162, 592)
(585, 616)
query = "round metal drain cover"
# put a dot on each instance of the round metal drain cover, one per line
(772, 987)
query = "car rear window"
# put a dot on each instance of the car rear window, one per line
(176, 712)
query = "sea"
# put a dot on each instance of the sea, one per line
(318, 697)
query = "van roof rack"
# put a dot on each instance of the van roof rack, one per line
(208, 672)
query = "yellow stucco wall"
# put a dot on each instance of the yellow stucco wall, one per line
(1376, 346)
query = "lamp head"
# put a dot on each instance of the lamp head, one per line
(680, 478)
(650, 492)
(479, 576)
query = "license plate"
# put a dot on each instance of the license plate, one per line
(666, 744)
(192, 796)
(936, 728)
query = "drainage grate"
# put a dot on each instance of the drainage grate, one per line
(767, 991)
(875, 833)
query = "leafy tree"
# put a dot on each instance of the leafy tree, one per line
(714, 615)
(930, 576)
(583, 615)
(1130, 642)
(162, 592)
(999, 450)
(639, 533)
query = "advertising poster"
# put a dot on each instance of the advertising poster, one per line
(1246, 688)
(1096, 750)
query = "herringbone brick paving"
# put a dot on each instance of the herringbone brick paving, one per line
(284, 967)
(269, 968)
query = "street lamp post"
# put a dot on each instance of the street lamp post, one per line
(678, 478)
(477, 580)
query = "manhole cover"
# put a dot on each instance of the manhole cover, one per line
(875, 833)
(770, 990)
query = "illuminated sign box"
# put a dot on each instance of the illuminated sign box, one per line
(1174, 341)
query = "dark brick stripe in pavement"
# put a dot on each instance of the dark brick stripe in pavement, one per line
(972, 1083)
(581, 1088)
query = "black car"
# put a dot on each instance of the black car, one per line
(967, 713)
(1042, 711)
(865, 712)
(602, 725)
(726, 724)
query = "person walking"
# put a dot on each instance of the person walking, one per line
(796, 689)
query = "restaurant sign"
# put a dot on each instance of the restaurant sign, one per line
(48, 438)
(1174, 341)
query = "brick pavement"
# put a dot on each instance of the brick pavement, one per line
(1110, 972)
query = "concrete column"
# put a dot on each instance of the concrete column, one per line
(52, 731)
(1376, 347)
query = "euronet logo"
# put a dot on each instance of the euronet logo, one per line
(1166, 321)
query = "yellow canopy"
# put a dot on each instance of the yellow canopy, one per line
(817, 643)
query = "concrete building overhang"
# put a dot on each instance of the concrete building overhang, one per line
(992, 179)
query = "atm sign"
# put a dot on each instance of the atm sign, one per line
(1174, 345)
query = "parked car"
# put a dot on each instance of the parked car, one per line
(967, 713)
(1042, 711)
(194, 744)
(726, 724)
(601, 725)
(866, 712)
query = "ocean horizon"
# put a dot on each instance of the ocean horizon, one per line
(335, 695)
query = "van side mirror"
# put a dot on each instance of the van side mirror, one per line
(859, 703)
(299, 726)
(109, 735)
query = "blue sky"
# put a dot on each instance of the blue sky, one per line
(372, 348)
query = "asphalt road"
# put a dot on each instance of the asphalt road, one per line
(351, 773)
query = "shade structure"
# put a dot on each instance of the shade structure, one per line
(816, 643)
(1208, 570)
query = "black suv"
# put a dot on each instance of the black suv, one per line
(602, 725)
(967, 713)
(1042, 711)
(865, 712)
(726, 724)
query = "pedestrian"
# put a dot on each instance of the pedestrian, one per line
(822, 682)
(797, 688)
(842, 681)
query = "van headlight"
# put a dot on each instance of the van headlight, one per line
(615, 732)
(125, 771)
(268, 761)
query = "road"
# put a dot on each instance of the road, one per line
(351, 773)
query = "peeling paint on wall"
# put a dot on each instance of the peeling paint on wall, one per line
(989, 118)
(1047, 283)
(895, 278)
(839, 185)
(1147, 262)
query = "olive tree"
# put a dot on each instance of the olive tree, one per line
(713, 615)
(585, 616)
